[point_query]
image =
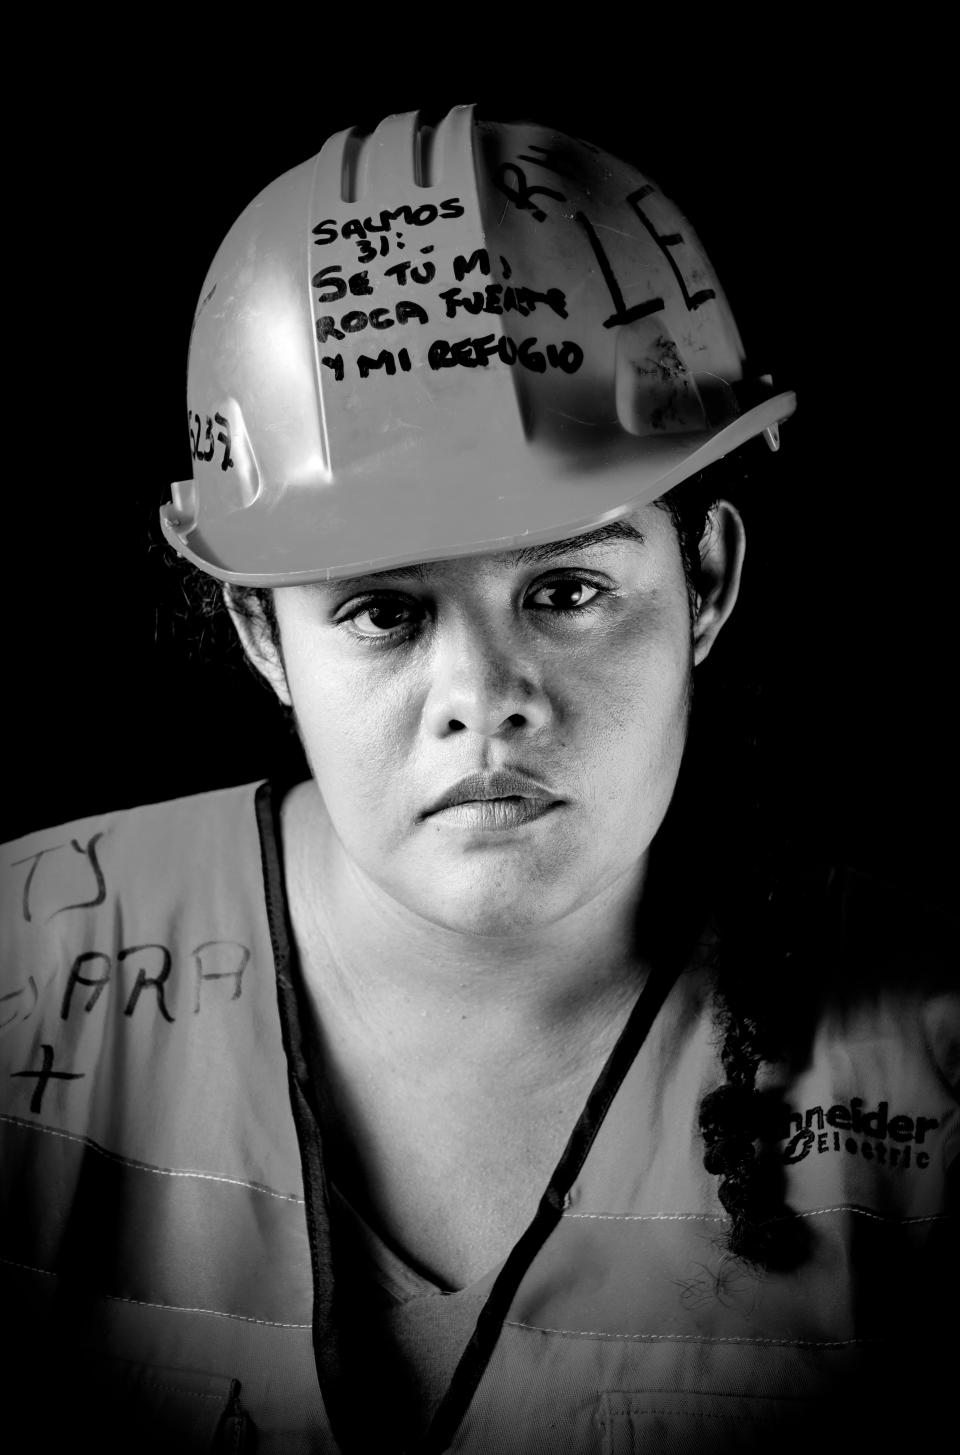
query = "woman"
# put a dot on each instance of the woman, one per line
(461, 1075)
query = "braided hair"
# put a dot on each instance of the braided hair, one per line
(761, 902)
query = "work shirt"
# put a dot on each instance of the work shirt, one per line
(180, 1270)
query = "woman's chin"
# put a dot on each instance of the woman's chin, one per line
(493, 922)
(491, 910)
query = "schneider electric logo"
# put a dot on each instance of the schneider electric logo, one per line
(895, 1141)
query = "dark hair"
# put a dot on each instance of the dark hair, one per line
(749, 901)
(759, 902)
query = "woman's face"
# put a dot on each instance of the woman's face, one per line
(565, 666)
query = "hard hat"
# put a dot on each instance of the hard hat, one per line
(430, 342)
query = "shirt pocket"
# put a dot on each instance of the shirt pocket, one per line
(109, 1404)
(682, 1423)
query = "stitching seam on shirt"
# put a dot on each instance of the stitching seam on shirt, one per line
(692, 1338)
(176, 1308)
(703, 1414)
(716, 1218)
(647, 1217)
(191, 1393)
(773, 1402)
(146, 1166)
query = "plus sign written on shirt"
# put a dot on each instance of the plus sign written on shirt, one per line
(45, 1075)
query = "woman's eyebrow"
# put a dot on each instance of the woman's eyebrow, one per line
(614, 530)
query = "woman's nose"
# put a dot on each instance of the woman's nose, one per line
(482, 685)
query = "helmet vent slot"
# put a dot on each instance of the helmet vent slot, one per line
(423, 154)
(350, 165)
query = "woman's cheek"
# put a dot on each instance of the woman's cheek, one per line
(357, 748)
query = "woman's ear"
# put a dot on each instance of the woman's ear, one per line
(721, 564)
(257, 639)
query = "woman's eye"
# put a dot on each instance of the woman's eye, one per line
(381, 618)
(564, 595)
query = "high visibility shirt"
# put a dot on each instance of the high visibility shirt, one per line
(165, 1211)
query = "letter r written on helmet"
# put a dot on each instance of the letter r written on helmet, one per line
(479, 686)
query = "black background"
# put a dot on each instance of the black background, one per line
(806, 163)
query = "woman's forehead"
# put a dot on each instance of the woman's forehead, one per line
(625, 528)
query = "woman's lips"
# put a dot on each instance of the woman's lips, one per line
(502, 785)
(494, 814)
